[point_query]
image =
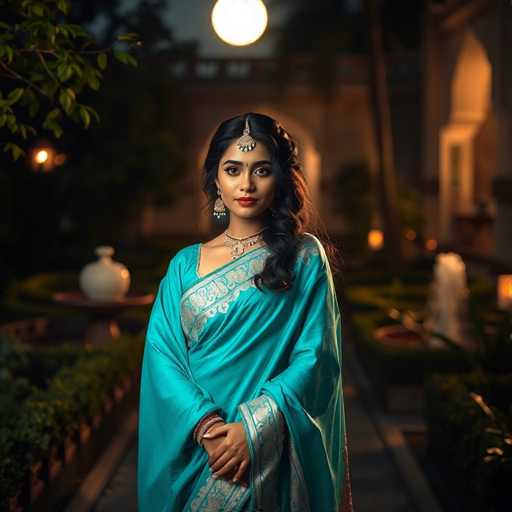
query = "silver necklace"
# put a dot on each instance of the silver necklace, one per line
(238, 245)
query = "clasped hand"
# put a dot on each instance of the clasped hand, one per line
(228, 453)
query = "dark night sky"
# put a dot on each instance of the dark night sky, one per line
(190, 20)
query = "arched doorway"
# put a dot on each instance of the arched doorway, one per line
(469, 107)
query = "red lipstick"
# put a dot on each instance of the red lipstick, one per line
(247, 201)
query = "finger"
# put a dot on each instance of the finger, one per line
(225, 457)
(241, 470)
(216, 431)
(217, 453)
(228, 467)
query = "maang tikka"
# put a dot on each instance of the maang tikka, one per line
(245, 143)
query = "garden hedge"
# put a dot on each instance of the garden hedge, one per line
(48, 393)
(472, 443)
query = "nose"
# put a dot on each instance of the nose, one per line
(246, 182)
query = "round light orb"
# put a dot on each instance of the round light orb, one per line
(41, 156)
(375, 239)
(239, 22)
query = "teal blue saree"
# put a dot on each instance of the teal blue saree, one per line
(270, 360)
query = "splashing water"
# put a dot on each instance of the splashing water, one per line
(446, 307)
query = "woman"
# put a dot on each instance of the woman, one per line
(241, 404)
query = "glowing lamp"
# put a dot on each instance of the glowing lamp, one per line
(239, 22)
(431, 244)
(41, 156)
(410, 234)
(375, 239)
(505, 291)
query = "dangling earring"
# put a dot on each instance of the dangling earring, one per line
(219, 209)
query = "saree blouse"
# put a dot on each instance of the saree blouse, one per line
(268, 359)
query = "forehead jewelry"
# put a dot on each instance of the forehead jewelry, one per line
(246, 142)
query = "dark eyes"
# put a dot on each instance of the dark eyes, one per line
(266, 170)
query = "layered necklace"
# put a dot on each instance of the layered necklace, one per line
(238, 245)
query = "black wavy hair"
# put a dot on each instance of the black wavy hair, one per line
(292, 212)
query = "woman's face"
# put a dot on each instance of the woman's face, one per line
(242, 174)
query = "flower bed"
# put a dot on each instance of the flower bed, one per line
(469, 422)
(56, 398)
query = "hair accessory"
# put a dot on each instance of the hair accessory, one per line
(246, 142)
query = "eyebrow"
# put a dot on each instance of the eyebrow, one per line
(236, 162)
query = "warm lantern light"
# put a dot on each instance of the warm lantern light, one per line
(239, 22)
(375, 239)
(41, 156)
(431, 244)
(505, 291)
(410, 234)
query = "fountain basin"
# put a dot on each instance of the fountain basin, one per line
(399, 336)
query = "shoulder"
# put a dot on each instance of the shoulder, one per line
(311, 246)
(182, 258)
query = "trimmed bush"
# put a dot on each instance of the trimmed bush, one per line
(471, 438)
(40, 417)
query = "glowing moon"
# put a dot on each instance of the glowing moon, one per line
(239, 22)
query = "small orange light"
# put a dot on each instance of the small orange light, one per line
(375, 239)
(505, 291)
(410, 234)
(431, 244)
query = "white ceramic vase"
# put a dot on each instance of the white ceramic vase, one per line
(104, 280)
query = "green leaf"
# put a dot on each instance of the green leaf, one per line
(38, 10)
(125, 58)
(63, 6)
(94, 83)
(15, 95)
(76, 68)
(9, 52)
(102, 60)
(129, 36)
(15, 150)
(94, 113)
(86, 118)
(65, 100)
(54, 114)
(54, 127)
(64, 72)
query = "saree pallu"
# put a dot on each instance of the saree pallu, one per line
(270, 360)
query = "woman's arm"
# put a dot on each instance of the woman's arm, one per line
(171, 402)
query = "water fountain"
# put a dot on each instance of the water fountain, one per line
(446, 310)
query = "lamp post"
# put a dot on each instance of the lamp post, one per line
(239, 22)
